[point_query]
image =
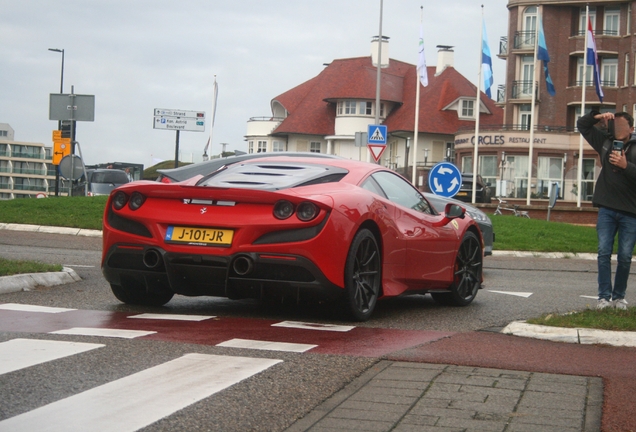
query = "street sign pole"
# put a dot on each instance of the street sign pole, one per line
(176, 151)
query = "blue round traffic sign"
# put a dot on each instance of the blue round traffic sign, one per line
(444, 179)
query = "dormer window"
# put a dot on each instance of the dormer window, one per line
(347, 107)
(358, 108)
(467, 110)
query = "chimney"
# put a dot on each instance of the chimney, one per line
(445, 58)
(384, 53)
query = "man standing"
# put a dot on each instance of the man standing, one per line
(615, 196)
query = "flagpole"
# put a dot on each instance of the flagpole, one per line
(579, 174)
(477, 110)
(417, 106)
(207, 145)
(532, 107)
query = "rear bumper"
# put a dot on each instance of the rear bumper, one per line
(242, 275)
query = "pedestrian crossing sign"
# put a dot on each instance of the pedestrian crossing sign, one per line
(377, 134)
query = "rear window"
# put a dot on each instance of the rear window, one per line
(109, 177)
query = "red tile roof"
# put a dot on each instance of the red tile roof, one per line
(312, 109)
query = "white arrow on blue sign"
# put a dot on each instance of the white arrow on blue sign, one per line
(444, 179)
(377, 134)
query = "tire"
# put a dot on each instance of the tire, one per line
(136, 296)
(467, 274)
(363, 276)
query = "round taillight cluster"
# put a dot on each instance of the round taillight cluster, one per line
(120, 199)
(305, 211)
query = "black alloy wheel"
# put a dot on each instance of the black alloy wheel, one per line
(363, 276)
(467, 274)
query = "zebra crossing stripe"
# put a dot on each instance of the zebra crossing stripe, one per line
(33, 308)
(314, 326)
(21, 353)
(175, 317)
(104, 332)
(133, 402)
(265, 345)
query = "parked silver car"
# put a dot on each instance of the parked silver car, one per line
(103, 181)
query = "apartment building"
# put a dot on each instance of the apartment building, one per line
(26, 169)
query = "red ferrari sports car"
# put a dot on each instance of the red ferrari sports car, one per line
(335, 229)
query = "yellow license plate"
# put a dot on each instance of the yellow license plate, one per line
(462, 193)
(211, 236)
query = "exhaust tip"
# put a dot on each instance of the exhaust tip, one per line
(151, 258)
(243, 265)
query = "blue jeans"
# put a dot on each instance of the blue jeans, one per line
(608, 223)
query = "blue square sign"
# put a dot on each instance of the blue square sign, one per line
(377, 134)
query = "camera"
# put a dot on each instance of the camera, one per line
(617, 146)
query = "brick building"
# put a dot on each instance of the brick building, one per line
(556, 142)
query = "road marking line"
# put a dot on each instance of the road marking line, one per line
(18, 354)
(266, 345)
(33, 308)
(175, 317)
(518, 294)
(314, 326)
(134, 402)
(105, 332)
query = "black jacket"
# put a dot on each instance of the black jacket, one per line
(615, 187)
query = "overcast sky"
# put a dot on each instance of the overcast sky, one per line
(138, 55)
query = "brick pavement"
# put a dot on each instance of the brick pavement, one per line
(423, 397)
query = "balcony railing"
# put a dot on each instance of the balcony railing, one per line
(522, 89)
(29, 187)
(29, 171)
(503, 46)
(501, 94)
(27, 155)
(524, 39)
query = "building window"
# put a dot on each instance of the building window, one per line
(583, 23)
(250, 146)
(527, 76)
(587, 179)
(609, 67)
(278, 146)
(529, 29)
(347, 107)
(314, 147)
(549, 170)
(382, 112)
(467, 164)
(525, 116)
(3, 133)
(589, 77)
(262, 147)
(468, 108)
(612, 19)
(626, 75)
(366, 108)
(488, 169)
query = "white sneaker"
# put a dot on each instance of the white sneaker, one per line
(620, 304)
(602, 304)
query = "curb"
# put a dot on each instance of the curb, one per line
(25, 282)
(51, 229)
(584, 336)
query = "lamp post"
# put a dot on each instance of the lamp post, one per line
(59, 123)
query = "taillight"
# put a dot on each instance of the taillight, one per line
(136, 200)
(307, 211)
(119, 200)
(283, 209)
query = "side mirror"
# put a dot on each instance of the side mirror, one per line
(451, 211)
(454, 211)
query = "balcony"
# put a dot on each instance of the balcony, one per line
(524, 39)
(31, 171)
(503, 46)
(522, 90)
(41, 188)
(27, 155)
(262, 126)
(501, 94)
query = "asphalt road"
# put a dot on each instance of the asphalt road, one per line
(275, 397)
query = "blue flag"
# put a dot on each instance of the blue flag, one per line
(486, 62)
(542, 54)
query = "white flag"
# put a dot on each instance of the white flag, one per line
(421, 61)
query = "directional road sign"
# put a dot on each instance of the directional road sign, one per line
(160, 112)
(182, 124)
(444, 179)
(377, 134)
